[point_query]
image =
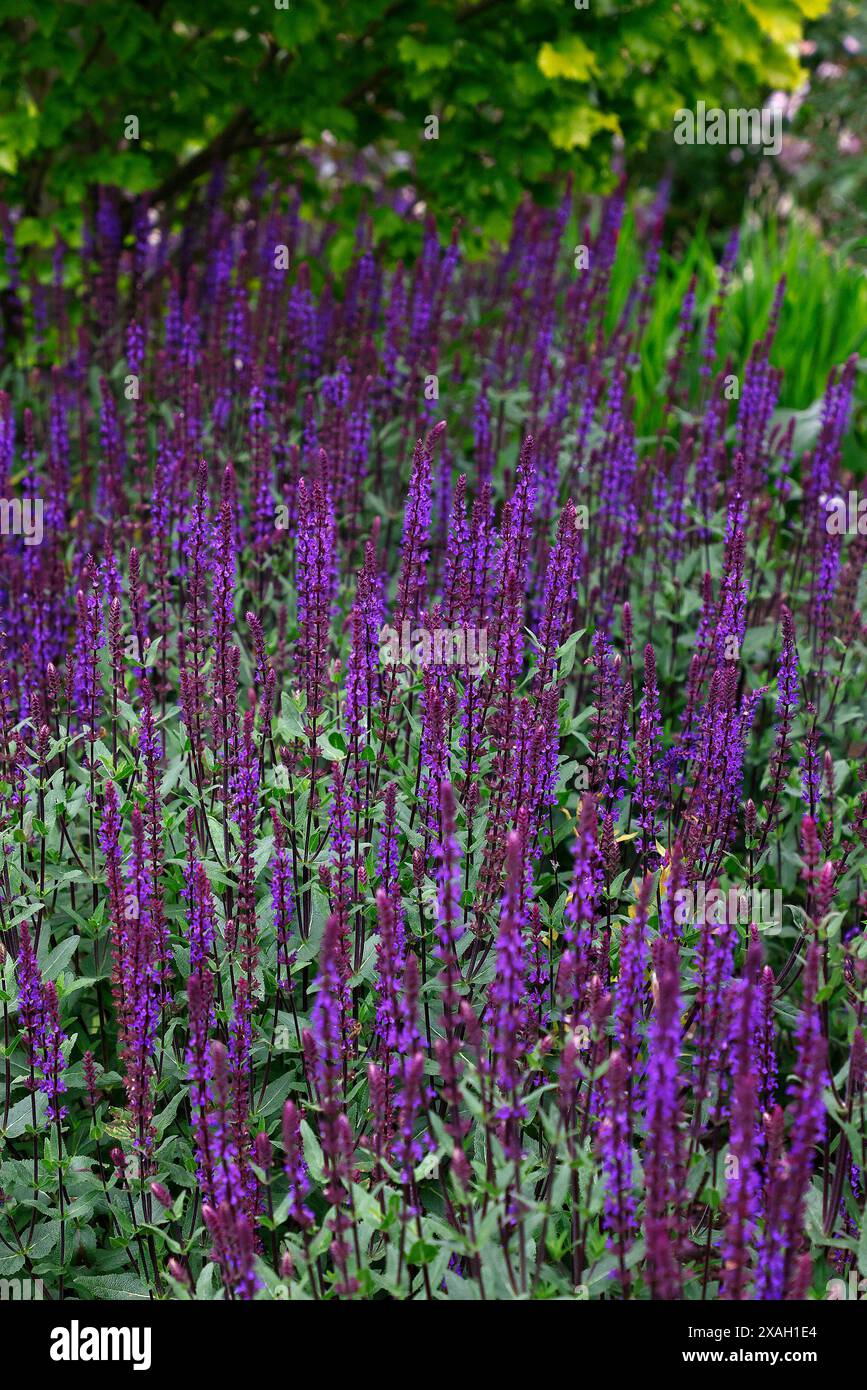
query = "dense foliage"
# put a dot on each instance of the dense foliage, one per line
(520, 90)
(823, 166)
(387, 686)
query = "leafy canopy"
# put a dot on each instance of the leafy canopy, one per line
(522, 89)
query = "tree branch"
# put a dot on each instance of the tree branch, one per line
(219, 148)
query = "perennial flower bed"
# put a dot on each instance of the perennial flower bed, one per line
(431, 779)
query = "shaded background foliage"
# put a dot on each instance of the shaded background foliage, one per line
(332, 101)
(523, 92)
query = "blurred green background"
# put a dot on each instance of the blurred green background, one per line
(337, 101)
(337, 98)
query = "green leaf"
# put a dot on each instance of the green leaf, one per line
(121, 1287)
(569, 57)
(424, 57)
(575, 126)
(60, 957)
(421, 1252)
(21, 1116)
(312, 1153)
